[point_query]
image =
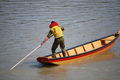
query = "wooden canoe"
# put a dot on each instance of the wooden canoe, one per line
(82, 51)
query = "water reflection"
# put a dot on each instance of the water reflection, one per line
(62, 71)
(97, 58)
(53, 72)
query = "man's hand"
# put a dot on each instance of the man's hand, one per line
(45, 39)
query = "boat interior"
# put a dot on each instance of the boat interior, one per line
(86, 47)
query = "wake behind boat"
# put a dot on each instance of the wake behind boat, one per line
(82, 51)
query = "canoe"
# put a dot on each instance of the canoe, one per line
(82, 51)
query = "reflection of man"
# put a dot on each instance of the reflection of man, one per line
(56, 31)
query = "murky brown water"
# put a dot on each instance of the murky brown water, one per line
(24, 24)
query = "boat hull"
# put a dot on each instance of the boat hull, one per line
(77, 57)
(82, 57)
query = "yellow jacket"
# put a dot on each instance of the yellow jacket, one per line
(55, 31)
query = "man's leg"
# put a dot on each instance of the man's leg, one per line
(62, 46)
(54, 47)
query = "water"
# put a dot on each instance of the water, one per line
(24, 24)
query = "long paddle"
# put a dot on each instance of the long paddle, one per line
(28, 54)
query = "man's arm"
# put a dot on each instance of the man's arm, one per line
(62, 28)
(49, 35)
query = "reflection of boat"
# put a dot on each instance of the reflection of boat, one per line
(82, 51)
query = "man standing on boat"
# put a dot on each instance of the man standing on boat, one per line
(56, 31)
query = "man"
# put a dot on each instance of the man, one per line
(56, 31)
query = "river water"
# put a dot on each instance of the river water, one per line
(24, 24)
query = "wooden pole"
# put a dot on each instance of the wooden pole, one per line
(25, 57)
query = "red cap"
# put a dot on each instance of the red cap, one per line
(53, 23)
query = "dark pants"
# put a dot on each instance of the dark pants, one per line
(57, 42)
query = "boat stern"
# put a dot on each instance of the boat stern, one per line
(43, 60)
